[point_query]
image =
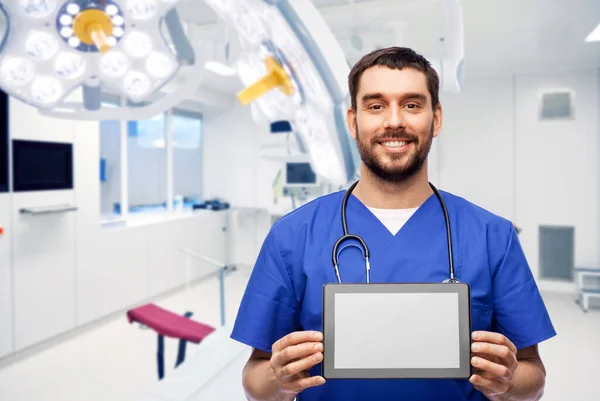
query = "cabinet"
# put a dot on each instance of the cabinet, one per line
(6, 306)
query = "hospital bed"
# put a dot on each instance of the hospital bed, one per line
(212, 372)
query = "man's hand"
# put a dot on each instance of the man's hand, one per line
(494, 362)
(293, 356)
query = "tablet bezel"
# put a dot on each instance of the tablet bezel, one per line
(464, 313)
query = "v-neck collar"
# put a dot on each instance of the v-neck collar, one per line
(358, 206)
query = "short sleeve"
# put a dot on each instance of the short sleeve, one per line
(268, 310)
(519, 310)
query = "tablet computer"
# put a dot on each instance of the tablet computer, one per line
(396, 331)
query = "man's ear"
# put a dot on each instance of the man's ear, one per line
(351, 122)
(437, 120)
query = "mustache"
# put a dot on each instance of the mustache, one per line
(398, 135)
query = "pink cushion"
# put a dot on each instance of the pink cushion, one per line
(169, 324)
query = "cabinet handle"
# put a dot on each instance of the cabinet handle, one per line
(48, 209)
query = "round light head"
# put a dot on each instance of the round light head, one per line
(114, 64)
(141, 9)
(41, 46)
(69, 65)
(136, 84)
(46, 90)
(137, 44)
(16, 71)
(38, 8)
(159, 65)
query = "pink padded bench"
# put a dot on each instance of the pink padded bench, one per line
(169, 324)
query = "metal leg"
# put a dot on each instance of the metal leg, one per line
(160, 357)
(182, 346)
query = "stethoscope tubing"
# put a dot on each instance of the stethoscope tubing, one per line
(346, 236)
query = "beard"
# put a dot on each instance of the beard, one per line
(394, 170)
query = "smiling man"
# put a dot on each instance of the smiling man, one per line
(394, 116)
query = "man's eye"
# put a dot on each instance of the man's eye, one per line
(412, 105)
(376, 107)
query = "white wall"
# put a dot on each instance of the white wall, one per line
(492, 151)
(476, 143)
(233, 170)
(495, 152)
(6, 317)
(66, 269)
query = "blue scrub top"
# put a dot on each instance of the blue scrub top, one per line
(284, 293)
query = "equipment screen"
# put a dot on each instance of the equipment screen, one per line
(397, 331)
(300, 173)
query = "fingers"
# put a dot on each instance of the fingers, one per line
(495, 370)
(299, 385)
(293, 356)
(502, 352)
(295, 338)
(494, 338)
(294, 352)
(297, 367)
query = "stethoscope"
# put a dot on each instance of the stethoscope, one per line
(365, 248)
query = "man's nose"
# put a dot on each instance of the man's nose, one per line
(393, 118)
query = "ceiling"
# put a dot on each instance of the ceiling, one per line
(501, 36)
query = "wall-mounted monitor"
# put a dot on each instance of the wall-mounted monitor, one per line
(300, 175)
(42, 166)
(3, 142)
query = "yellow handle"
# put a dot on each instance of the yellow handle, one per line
(100, 39)
(93, 26)
(275, 78)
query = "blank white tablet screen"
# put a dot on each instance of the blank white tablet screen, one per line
(396, 331)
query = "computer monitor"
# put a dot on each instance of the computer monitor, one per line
(300, 175)
(42, 166)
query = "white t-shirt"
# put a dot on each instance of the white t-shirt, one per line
(393, 219)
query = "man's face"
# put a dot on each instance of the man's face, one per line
(394, 123)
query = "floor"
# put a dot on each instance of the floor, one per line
(116, 361)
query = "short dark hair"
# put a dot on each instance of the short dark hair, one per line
(394, 58)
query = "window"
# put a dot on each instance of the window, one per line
(147, 165)
(110, 169)
(149, 185)
(187, 159)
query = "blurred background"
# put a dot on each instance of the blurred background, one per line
(148, 175)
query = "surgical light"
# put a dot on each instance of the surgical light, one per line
(46, 89)
(159, 65)
(38, 8)
(137, 44)
(69, 65)
(66, 32)
(41, 46)
(114, 64)
(141, 9)
(16, 72)
(53, 47)
(294, 69)
(136, 84)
